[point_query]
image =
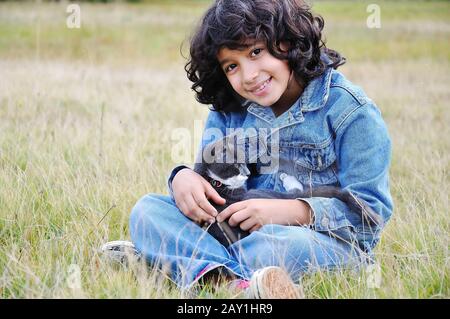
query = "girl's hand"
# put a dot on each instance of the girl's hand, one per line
(191, 193)
(252, 214)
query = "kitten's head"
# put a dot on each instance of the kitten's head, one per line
(221, 166)
(232, 176)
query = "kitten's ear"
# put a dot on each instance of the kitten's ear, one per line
(229, 141)
(208, 153)
(233, 151)
(213, 152)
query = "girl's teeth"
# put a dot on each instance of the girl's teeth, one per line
(262, 87)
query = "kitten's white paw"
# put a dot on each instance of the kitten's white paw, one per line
(290, 182)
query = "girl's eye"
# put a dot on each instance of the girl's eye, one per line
(230, 68)
(256, 52)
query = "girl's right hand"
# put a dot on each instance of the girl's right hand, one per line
(191, 193)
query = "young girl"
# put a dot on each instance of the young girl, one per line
(262, 64)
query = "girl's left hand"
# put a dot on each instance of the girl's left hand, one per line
(252, 214)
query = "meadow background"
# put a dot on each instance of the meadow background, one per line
(86, 117)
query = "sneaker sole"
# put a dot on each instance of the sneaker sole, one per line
(120, 251)
(273, 283)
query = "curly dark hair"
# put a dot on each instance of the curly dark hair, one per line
(233, 23)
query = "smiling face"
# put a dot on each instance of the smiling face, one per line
(258, 76)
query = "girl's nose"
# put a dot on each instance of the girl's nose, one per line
(250, 75)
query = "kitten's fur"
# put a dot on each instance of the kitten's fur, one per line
(229, 180)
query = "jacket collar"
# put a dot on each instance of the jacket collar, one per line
(316, 92)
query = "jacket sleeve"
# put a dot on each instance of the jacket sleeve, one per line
(363, 150)
(215, 128)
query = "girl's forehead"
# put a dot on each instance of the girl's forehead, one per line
(239, 50)
(225, 54)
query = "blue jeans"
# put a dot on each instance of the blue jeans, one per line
(168, 239)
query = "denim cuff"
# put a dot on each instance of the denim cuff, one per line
(334, 217)
(172, 176)
(326, 217)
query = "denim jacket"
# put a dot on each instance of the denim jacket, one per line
(332, 135)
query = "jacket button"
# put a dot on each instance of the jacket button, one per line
(325, 222)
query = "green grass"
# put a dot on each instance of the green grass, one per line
(86, 117)
(155, 31)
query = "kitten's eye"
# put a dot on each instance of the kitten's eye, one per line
(216, 183)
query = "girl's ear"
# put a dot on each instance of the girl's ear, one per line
(284, 46)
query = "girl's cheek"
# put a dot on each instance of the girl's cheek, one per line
(236, 85)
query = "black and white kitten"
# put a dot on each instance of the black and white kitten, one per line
(230, 181)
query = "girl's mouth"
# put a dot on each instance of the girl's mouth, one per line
(263, 89)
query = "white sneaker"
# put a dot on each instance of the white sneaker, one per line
(120, 252)
(273, 283)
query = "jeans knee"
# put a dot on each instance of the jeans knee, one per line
(146, 209)
(281, 242)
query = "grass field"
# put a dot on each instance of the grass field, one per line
(86, 117)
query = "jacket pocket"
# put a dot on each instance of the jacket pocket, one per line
(316, 165)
